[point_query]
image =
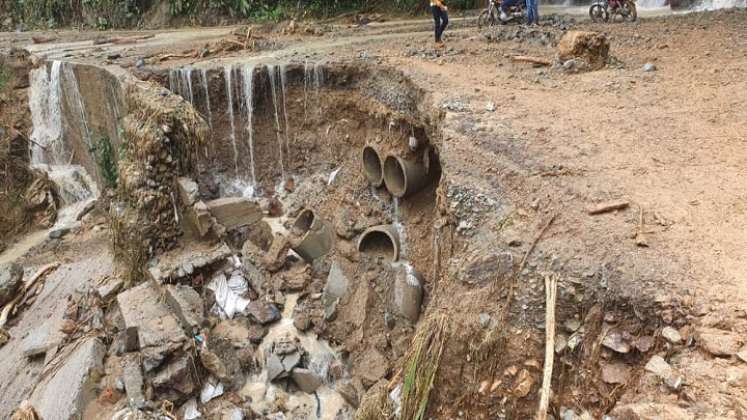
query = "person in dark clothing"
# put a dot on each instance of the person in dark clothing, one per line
(440, 18)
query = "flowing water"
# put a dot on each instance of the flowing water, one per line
(272, 72)
(46, 115)
(284, 87)
(206, 93)
(248, 79)
(229, 94)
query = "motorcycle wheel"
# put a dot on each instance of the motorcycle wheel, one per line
(632, 12)
(597, 13)
(485, 19)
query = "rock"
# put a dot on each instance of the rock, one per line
(11, 280)
(523, 384)
(644, 343)
(291, 360)
(257, 333)
(177, 375)
(659, 367)
(233, 330)
(572, 325)
(59, 233)
(132, 376)
(306, 380)
(66, 393)
(615, 342)
(649, 67)
(296, 278)
(371, 366)
(110, 288)
(200, 218)
(736, 376)
(742, 354)
(263, 312)
(650, 411)
(348, 393)
(335, 289)
(576, 65)
(275, 258)
(36, 343)
(490, 107)
(408, 293)
(671, 335)
(275, 368)
(189, 192)
(615, 373)
(717, 342)
(302, 321)
(591, 46)
(345, 225)
(158, 331)
(561, 342)
(484, 320)
(186, 304)
(139, 63)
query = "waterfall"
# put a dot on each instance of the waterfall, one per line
(206, 92)
(229, 94)
(318, 82)
(49, 152)
(307, 72)
(720, 4)
(272, 73)
(284, 87)
(249, 109)
(46, 115)
(651, 4)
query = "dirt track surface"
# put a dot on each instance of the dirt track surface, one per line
(670, 142)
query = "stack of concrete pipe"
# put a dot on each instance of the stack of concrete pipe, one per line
(401, 177)
(311, 236)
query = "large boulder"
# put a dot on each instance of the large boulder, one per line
(11, 279)
(592, 47)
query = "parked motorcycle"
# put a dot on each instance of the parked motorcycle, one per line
(606, 10)
(492, 14)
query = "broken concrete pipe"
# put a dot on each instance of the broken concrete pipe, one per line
(380, 241)
(408, 293)
(404, 177)
(311, 236)
(372, 166)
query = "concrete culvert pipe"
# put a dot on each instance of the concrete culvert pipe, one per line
(311, 236)
(372, 166)
(404, 177)
(408, 293)
(380, 241)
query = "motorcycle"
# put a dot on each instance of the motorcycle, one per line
(606, 10)
(492, 14)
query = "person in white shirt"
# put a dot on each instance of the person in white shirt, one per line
(440, 18)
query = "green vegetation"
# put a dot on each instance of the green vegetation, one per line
(106, 159)
(106, 14)
(4, 78)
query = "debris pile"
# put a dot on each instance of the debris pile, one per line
(587, 50)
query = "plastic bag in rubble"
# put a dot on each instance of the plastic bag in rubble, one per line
(228, 295)
(190, 410)
(210, 391)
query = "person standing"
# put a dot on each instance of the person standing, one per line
(532, 12)
(440, 18)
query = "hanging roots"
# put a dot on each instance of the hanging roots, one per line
(421, 366)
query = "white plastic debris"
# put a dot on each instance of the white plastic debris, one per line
(190, 410)
(210, 391)
(395, 396)
(228, 300)
(333, 175)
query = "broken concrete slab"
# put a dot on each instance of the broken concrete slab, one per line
(335, 289)
(159, 333)
(234, 212)
(187, 305)
(65, 394)
(132, 376)
(306, 380)
(200, 218)
(178, 263)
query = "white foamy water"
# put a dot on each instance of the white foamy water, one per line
(720, 4)
(46, 115)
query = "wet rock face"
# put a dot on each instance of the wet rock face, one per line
(11, 279)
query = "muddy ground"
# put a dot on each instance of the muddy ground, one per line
(521, 147)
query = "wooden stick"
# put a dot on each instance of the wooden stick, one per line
(608, 207)
(533, 60)
(551, 288)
